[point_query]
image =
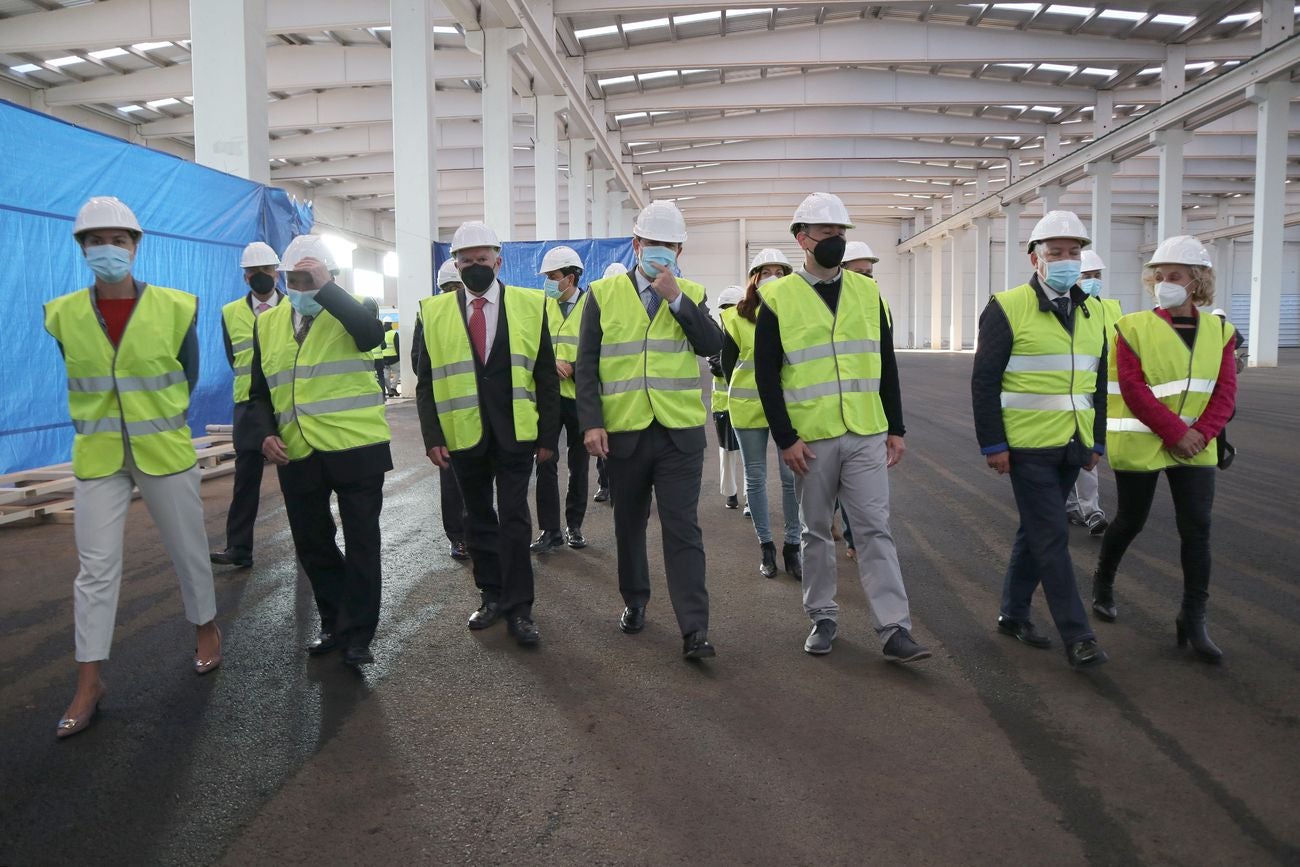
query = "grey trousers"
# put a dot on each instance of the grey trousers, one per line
(99, 522)
(852, 468)
(1084, 499)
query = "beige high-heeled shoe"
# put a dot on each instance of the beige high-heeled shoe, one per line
(203, 666)
(69, 726)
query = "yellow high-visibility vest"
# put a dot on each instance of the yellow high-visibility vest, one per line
(742, 396)
(564, 337)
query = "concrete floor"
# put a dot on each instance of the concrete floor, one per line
(602, 748)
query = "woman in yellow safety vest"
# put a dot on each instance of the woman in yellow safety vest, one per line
(1177, 386)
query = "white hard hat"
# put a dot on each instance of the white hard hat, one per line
(560, 257)
(1218, 311)
(660, 221)
(824, 208)
(1059, 224)
(730, 295)
(307, 247)
(1091, 262)
(475, 233)
(769, 256)
(613, 269)
(257, 254)
(1180, 250)
(105, 212)
(855, 250)
(448, 273)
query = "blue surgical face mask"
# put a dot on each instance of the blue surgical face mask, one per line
(552, 289)
(656, 259)
(1091, 285)
(110, 264)
(305, 302)
(1062, 275)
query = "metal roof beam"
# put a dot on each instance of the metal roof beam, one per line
(378, 138)
(821, 149)
(835, 122)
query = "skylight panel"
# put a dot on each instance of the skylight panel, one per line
(1062, 9)
(596, 31)
(159, 103)
(740, 13)
(447, 31)
(1179, 20)
(663, 73)
(1239, 18)
(623, 117)
(618, 79)
(65, 61)
(1016, 65)
(696, 17)
(1045, 109)
(130, 108)
(630, 26)
(1019, 7)
(1122, 15)
(106, 53)
(150, 46)
(1099, 70)
(1201, 65)
(1058, 67)
(24, 68)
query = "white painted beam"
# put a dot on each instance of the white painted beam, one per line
(378, 138)
(229, 64)
(1266, 248)
(834, 122)
(820, 149)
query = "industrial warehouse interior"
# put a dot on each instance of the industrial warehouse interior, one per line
(358, 286)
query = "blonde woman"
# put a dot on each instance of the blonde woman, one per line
(1178, 384)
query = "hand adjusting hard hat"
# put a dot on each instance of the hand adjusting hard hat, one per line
(560, 257)
(105, 212)
(447, 273)
(824, 208)
(613, 269)
(769, 256)
(1058, 224)
(307, 247)
(660, 221)
(1091, 262)
(855, 250)
(1180, 250)
(257, 254)
(475, 233)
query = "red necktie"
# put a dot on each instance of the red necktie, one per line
(262, 307)
(478, 329)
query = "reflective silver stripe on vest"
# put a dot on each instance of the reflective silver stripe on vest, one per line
(565, 339)
(826, 350)
(1132, 425)
(284, 418)
(85, 427)
(90, 383)
(663, 383)
(826, 389)
(1112, 387)
(612, 350)
(1051, 363)
(1169, 389)
(341, 404)
(1047, 402)
(523, 394)
(744, 393)
(150, 383)
(742, 364)
(453, 369)
(245, 370)
(469, 401)
(522, 361)
(155, 425)
(325, 368)
(241, 346)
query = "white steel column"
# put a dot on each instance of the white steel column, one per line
(1103, 115)
(578, 150)
(1015, 257)
(983, 265)
(1051, 196)
(956, 320)
(1102, 175)
(498, 127)
(909, 294)
(936, 294)
(919, 262)
(1052, 143)
(1169, 210)
(415, 165)
(545, 166)
(228, 68)
(1272, 108)
(600, 179)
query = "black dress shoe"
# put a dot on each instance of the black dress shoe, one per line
(546, 541)
(633, 620)
(1024, 631)
(696, 646)
(357, 656)
(733, 502)
(326, 643)
(602, 495)
(487, 614)
(459, 551)
(1084, 653)
(231, 558)
(573, 536)
(790, 553)
(523, 630)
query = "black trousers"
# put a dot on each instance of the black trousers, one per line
(498, 538)
(657, 467)
(548, 476)
(347, 587)
(243, 502)
(602, 474)
(453, 506)
(1193, 494)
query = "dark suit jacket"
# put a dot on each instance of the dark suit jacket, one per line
(257, 419)
(495, 391)
(705, 339)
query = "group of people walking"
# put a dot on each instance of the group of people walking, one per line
(803, 353)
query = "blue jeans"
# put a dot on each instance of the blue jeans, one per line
(1041, 553)
(753, 450)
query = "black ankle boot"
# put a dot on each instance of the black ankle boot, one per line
(793, 564)
(768, 567)
(1191, 627)
(1103, 594)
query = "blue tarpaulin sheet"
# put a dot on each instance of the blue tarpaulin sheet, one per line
(196, 222)
(521, 259)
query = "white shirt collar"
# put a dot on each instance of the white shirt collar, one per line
(493, 295)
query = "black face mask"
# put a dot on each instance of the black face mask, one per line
(477, 278)
(261, 283)
(829, 252)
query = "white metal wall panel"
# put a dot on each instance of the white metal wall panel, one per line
(1288, 327)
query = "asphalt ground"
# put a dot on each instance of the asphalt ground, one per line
(604, 748)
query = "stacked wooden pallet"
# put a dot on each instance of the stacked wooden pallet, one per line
(44, 494)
